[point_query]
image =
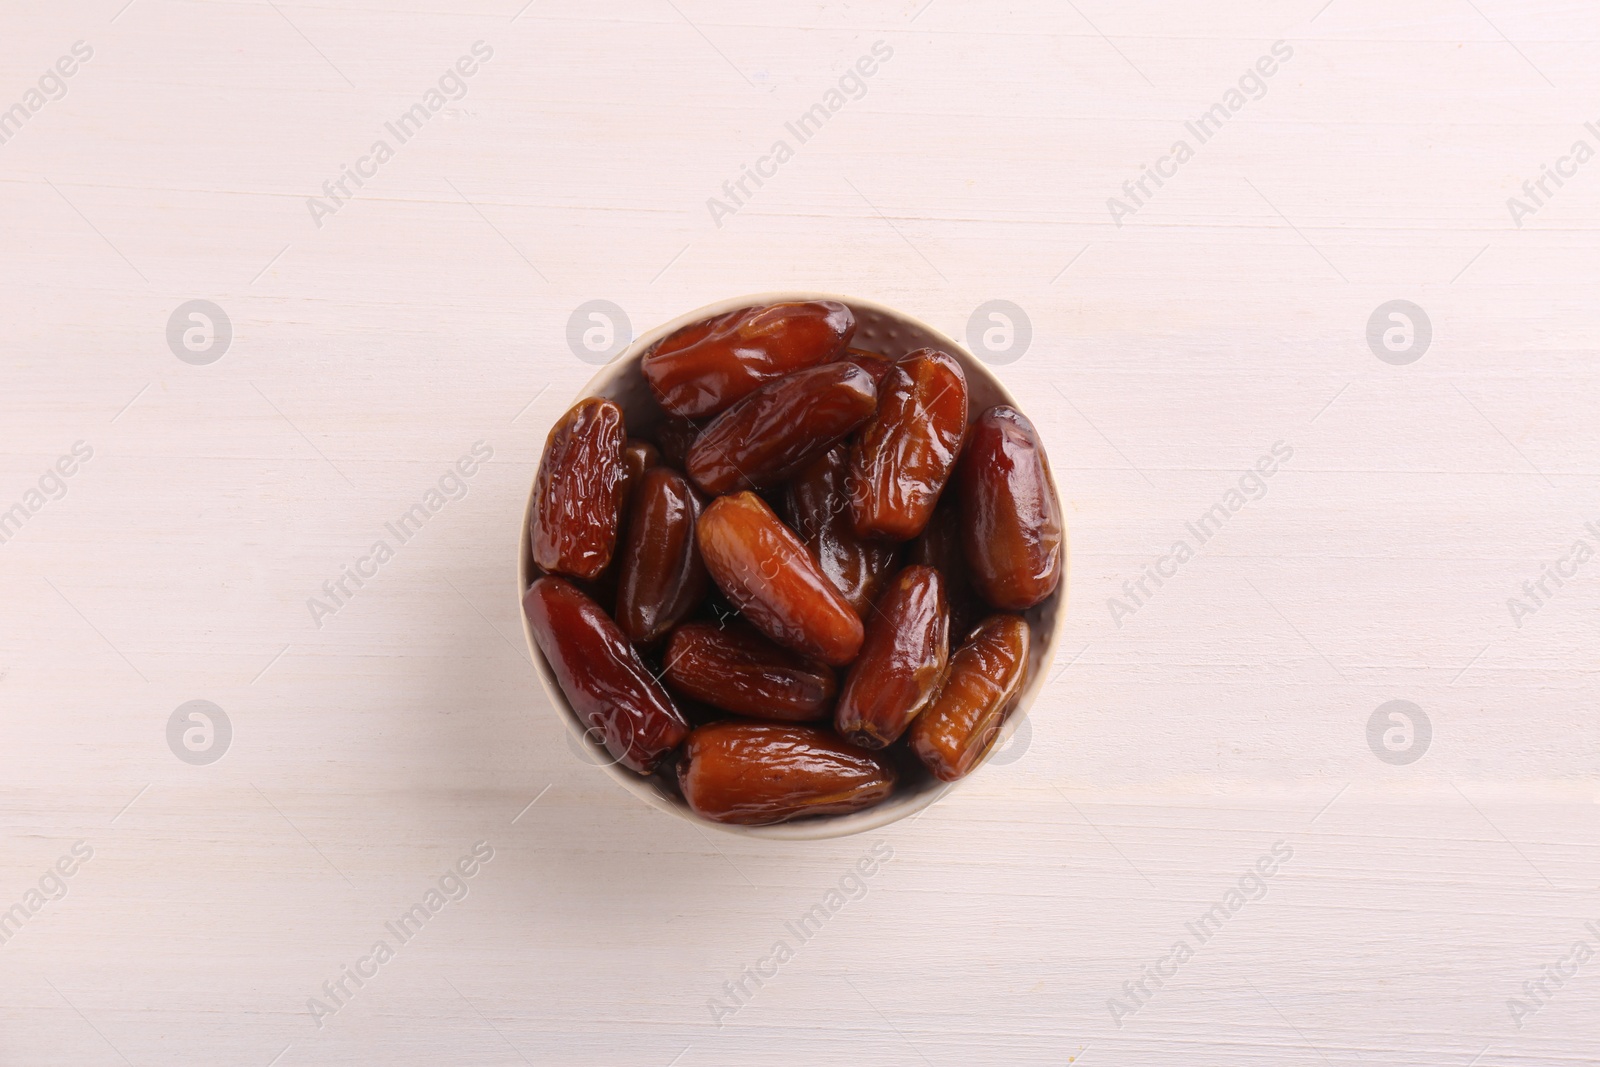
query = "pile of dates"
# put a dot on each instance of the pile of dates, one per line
(802, 577)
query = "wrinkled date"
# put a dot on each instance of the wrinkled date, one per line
(818, 503)
(738, 670)
(771, 579)
(907, 647)
(706, 366)
(578, 495)
(662, 577)
(602, 676)
(1011, 518)
(764, 438)
(903, 456)
(755, 774)
(961, 723)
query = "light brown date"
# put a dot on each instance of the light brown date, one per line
(903, 456)
(706, 366)
(578, 495)
(770, 434)
(1011, 519)
(755, 774)
(602, 676)
(772, 580)
(986, 674)
(738, 670)
(662, 578)
(818, 504)
(906, 650)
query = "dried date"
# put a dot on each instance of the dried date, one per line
(602, 676)
(1011, 519)
(986, 674)
(706, 366)
(903, 456)
(755, 774)
(578, 494)
(770, 434)
(772, 580)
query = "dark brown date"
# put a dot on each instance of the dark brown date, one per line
(939, 545)
(578, 495)
(637, 457)
(738, 670)
(1011, 519)
(818, 503)
(770, 434)
(755, 774)
(874, 363)
(772, 580)
(602, 676)
(903, 456)
(662, 577)
(959, 725)
(706, 366)
(676, 436)
(906, 650)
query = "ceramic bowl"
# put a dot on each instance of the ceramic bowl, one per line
(880, 329)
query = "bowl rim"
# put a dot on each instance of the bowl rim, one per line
(824, 827)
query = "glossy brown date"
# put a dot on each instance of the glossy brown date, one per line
(906, 650)
(874, 363)
(818, 504)
(770, 434)
(903, 456)
(706, 366)
(1011, 519)
(602, 676)
(960, 724)
(772, 580)
(637, 457)
(578, 495)
(662, 577)
(738, 670)
(754, 774)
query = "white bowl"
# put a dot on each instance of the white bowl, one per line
(880, 329)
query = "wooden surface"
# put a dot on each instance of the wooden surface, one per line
(1177, 745)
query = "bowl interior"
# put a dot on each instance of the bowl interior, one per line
(879, 329)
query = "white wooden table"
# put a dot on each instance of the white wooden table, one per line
(375, 339)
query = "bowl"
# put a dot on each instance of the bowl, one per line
(881, 329)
